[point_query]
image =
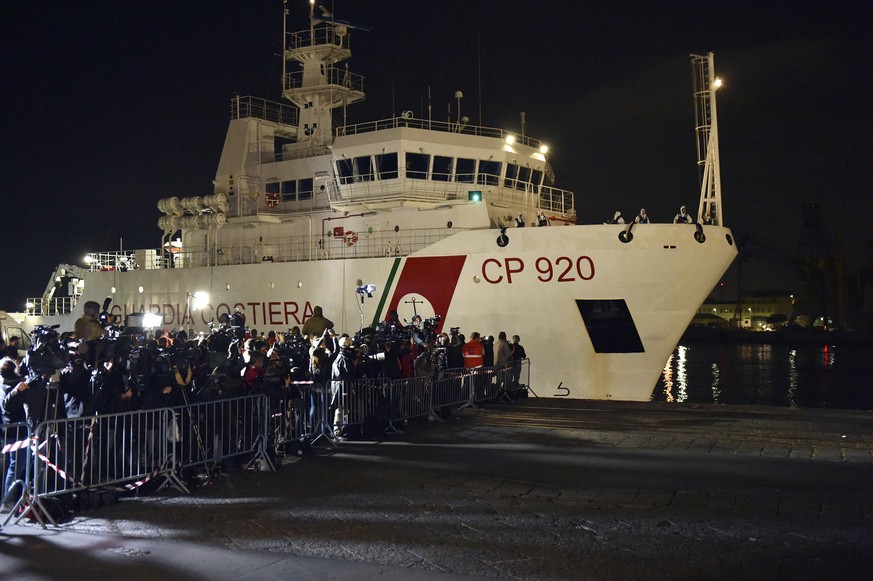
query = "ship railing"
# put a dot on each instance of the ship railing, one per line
(319, 35)
(554, 200)
(351, 244)
(50, 307)
(404, 189)
(434, 191)
(121, 260)
(431, 125)
(338, 76)
(295, 151)
(258, 108)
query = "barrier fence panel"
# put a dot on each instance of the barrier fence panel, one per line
(295, 418)
(362, 404)
(451, 389)
(209, 432)
(410, 398)
(484, 384)
(14, 467)
(75, 454)
(521, 377)
(503, 382)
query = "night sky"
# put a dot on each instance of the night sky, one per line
(110, 106)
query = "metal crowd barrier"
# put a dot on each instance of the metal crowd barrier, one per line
(77, 454)
(298, 419)
(15, 466)
(361, 404)
(409, 399)
(129, 449)
(373, 403)
(217, 431)
(62, 456)
(451, 389)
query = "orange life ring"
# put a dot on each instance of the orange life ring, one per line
(350, 237)
(272, 199)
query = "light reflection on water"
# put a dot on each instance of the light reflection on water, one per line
(803, 375)
(681, 376)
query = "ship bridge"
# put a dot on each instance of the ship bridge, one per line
(406, 161)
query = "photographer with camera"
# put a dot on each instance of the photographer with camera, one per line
(11, 413)
(440, 357)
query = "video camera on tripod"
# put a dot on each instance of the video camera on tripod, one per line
(46, 356)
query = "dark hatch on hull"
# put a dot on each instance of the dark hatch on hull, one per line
(610, 326)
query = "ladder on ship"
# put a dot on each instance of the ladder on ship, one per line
(705, 84)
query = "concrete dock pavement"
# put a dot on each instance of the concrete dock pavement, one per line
(539, 489)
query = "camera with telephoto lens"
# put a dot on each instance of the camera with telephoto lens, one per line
(46, 355)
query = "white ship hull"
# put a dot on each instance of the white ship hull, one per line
(529, 287)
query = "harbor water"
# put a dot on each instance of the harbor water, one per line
(802, 375)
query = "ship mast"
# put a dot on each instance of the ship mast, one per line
(705, 84)
(319, 86)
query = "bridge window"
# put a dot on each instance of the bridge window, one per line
(536, 180)
(523, 178)
(489, 172)
(289, 191)
(304, 189)
(511, 174)
(363, 169)
(345, 171)
(442, 168)
(417, 165)
(386, 164)
(465, 170)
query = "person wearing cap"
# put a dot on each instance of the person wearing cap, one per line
(342, 371)
(682, 217)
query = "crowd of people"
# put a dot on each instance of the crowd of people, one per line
(99, 369)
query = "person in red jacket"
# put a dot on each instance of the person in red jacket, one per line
(474, 351)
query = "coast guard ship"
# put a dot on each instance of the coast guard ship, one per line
(417, 216)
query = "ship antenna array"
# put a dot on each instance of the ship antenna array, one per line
(705, 84)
